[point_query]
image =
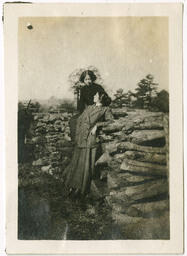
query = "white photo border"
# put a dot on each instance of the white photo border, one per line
(174, 11)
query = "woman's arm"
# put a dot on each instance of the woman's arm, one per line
(108, 117)
(105, 123)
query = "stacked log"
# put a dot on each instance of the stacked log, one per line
(137, 179)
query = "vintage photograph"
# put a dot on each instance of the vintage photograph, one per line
(93, 128)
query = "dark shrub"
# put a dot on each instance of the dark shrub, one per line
(161, 102)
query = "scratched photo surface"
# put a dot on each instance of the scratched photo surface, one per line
(93, 128)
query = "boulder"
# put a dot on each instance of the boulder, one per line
(39, 139)
(58, 125)
(124, 146)
(66, 123)
(40, 130)
(143, 167)
(51, 148)
(67, 137)
(38, 162)
(46, 168)
(36, 117)
(39, 116)
(61, 117)
(46, 118)
(147, 136)
(146, 157)
(55, 156)
(62, 128)
(53, 117)
(90, 210)
(49, 128)
(66, 116)
(51, 138)
(67, 130)
(40, 124)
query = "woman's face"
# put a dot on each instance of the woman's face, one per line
(87, 80)
(96, 98)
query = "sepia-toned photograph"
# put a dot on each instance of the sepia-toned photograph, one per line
(95, 145)
(93, 128)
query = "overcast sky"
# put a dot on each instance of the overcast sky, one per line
(124, 49)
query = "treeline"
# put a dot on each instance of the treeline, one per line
(146, 96)
(54, 106)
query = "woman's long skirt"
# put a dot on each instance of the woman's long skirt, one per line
(79, 172)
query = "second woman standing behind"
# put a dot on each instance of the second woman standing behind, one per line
(89, 89)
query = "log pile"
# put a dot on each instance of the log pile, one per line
(137, 177)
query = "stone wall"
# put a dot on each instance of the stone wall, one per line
(52, 143)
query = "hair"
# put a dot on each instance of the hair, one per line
(91, 75)
(104, 99)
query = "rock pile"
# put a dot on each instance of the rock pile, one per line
(52, 142)
(135, 149)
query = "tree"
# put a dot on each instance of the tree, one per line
(123, 99)
(145, 91)
(34, 107)
(161, 102)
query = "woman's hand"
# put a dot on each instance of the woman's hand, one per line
(94, 129)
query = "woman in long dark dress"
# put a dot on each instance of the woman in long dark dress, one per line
(89, 89)
(79, 173)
